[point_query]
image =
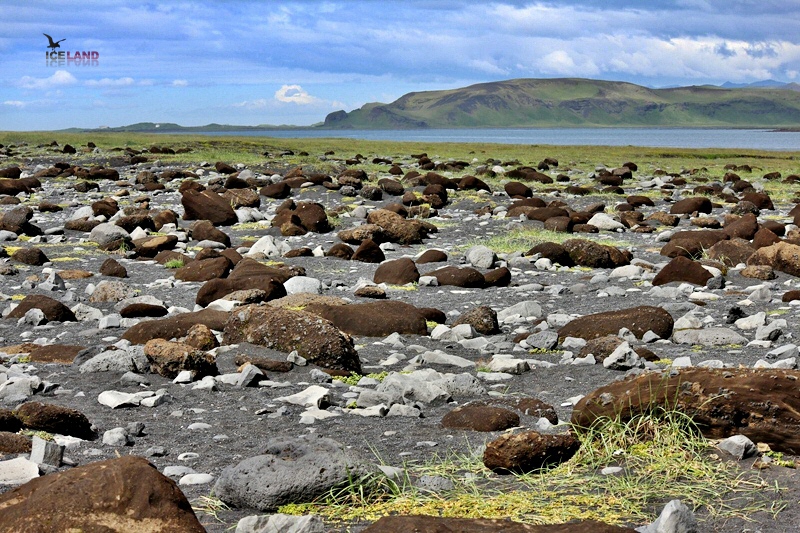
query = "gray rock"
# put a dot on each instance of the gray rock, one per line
(418, 386)
(771, 331)
(280, 523)
(543, 340)
(289, 471)
(107, 232)
(117, 437)
(622, 358)
(716, 336)
(785, 351)
(46, 452)
(481, 256)
(434, 484)
(674, 518)
(129, 360)
(524, 309)
(738, 446)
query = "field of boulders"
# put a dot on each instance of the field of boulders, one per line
(313, 339)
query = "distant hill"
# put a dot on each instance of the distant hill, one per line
(572, 102)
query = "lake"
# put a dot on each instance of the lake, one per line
(756, 139)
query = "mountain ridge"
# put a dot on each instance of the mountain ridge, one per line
(578, 102)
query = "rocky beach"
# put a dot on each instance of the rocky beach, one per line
(338, 335)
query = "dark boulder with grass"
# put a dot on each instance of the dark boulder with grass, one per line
(591, 254)
(528, 452)
(761, 404)
(207, 205)
(285, 330)
(483, 318)
(54, 419)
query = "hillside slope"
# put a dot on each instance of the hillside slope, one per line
(577, 102)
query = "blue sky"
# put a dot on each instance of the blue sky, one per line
(279, 62)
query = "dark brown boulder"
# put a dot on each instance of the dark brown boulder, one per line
(224, 168)
(127, 492)
(731, 253)
(458, 277)
(168, 359)
(207, 205)
(552, 251)
(285, 330)
(204, 230)
(790, 296)
(697, 204)
(9, 422)
(528, 452)
(369, 252)
(483, 318)
(682, 269)
(13, 443)
(373, 319)
(760, 199)
(112, 268)
(278, 190)
(591, 254)
(176, 326)
(340, 251)
(398, 229)
(639, 201)
(54, 311)
(517, 189)
(107, 207)
(131, 222)
(397, 272)
(55, 353)
(16, 220)
(391, 187)
(639, 320)
(432, 256)
(30, 256)
(140, 310)
(436, 524)
(205, 269)
(361, 233)
(499, 277)
(219, 288)
(764, 237)
(150, 246)
(744, 227)
(722, 402)
(54, 419)
(480, 418)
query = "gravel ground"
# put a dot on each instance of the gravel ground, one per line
(240, 417)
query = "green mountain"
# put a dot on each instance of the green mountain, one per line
(572, 102)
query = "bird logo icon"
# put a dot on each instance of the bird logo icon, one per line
(53, 44)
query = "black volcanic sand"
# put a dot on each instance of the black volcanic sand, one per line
(241, 414)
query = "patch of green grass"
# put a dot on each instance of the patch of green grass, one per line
(662, 454)
(174, 263)
(44, 435)
(526, 237)
(209, 506)
(355, 377)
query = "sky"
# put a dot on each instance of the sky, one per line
(280, 62)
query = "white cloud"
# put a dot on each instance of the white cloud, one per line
(261, 103)
(180, 83)
(15, 103)
(59, 78)
(108, 82)
(295, 94)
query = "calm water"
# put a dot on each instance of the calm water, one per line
(666, 137)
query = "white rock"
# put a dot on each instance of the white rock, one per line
(196, 479)
(18, 471)
(314, 396)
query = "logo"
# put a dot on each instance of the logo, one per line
(77, 59)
